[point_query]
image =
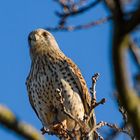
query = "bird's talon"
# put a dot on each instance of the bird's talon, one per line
(44, 130)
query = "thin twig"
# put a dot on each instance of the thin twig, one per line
(93, 101)
(99, 136)
(92, 89)
(92, 109)
(99, 125)
(112, 126)
(80, 27)
(116, 128)
(80, 10)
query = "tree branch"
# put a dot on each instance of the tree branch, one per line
(133, 22)
(80, 10)
(135, 51)
(24, 130)
(80, 27)
(127, 95)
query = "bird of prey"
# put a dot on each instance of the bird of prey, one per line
(52, 73)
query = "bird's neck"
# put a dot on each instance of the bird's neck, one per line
(52, 55)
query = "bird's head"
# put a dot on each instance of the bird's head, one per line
(40, 41)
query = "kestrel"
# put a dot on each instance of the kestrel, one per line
(52, 72)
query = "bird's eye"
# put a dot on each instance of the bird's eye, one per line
(44, 34)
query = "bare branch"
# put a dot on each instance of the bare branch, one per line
(127, 94)
(99, 136)
(94, 103)
(134, 21)
(92, 89)
(80, 27)
(135, 51)
(123, 130)
(113, 134)
(80, 10)
(112, 126)
(24, 130)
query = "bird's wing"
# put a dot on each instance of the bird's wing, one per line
(83, 90)
(32, 104)
(28, 80)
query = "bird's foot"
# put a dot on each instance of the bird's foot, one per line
(57, 126)
(54, 128)
(45, 130)
(51, 130)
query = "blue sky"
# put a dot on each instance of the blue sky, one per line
(89, 49)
